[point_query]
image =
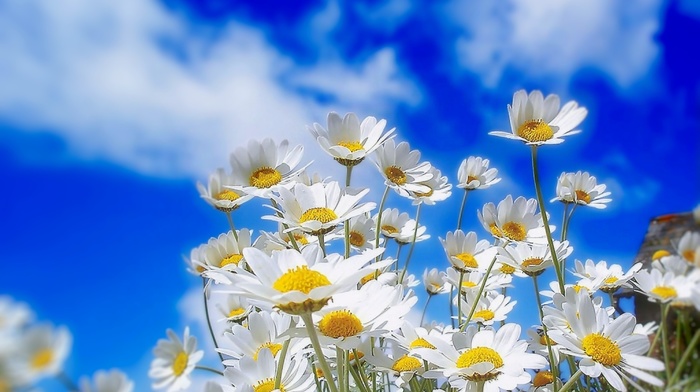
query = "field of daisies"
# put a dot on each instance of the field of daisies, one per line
(322, 301)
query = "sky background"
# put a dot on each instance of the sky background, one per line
(110, 111)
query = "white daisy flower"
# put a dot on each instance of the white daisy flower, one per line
(556, 316)
(347, 140)
(611, 278)
(474, 173)
(581, 188)
(689, 246)
(13, 315)
(496, 358)
(397, 362)
(400, 168)
(41, 352)
(543, 381)
(259, 375)
(235, 309)
(606, 347)
(674, 264)
(659, 287)
(265, 330)
(319, 208)
(438, 189)
(466, 253)
(489, 308)
(393, 222)
(407, 231)
(111, 381)
(279, 240)
(410, 337)
(224, 252)
(218, 195)
(537, 343)
(471, 281)
(294, 282)
(434, 281)
(174, 360)
(536, 120)
(646, 329)
(532, 259)
(514, 220)
(362, 233)
(262, 166)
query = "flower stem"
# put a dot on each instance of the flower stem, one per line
(66, 381)
(322, 243)
(340, 367)
(545, 220)
(452, 310)
(348, 175)
(664, 338)
(481, 291)
(209, 369)
(572, 381)
(459, 299)
(379, 218)
(554, 369)
(413, 244)
(230, 223)
(461, 210)
(280, 363)
(686, 355)
(309, 324)
(206, 312)
(425, 309)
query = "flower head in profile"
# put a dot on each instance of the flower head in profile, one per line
(466, 253)
(362, 233)
(474, 173)
(348, 140)
(438, 189)
(536, 120)
(218, 194)
(434, 281)
(251, 375)
(262, 166)
(514, 220)
(235, 309)
(489, 308)
(581, 188)
(111, 381)
(222, 252)
(401, 168)
(689, 247)
(41, 352)
(532, 259)
(611, 277)
(174, 361)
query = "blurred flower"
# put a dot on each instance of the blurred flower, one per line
(536, 120)
(438, 189)
(347, 140)
(434, 281)
(610, 278)
(532, 259)
(112, 381)
(400, 168)
(218, 195)
(174, 361)
(581, 188)
(235, 309)
(489, 308)
(689, 246)
(658, 286)
(259, 375)
(474, 173)
(13, 315)
(41, 352)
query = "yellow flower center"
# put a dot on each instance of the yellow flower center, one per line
(321, 214)
(274, 348)
(227, 194)
(395, 175)
(542, 378)
(4, 386)
(351, 355)
(298, 237)
(485, 314)
(368, 277)
(601, 349)
(180, 363)
(231, 259)
(480, 355)
(689, 255)
(535, 131)
(532, 261)
(659, 254)
(236, 312)
(665, 292)
(611, 280)
(352, 146)
(42, 358)
(544, 339)
(468, 260)
(356, 239)
(471, 178)
(406, 364)
(514, 230)
(265, 177)
(507, 269)
(267, 385)
(420, 342)
(577, 288)
(300, 279)
(583, 196)
(426, 194)
(495, 231)
(390, 229)
(340, 324)
(468, 284)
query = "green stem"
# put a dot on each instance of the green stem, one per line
(664, 338)
(572, 381)
(413, 244)
(545, 220)
(309, 324)
(480, 386)
(379, 219)
(459, 299)
(425, 308)
(340, 367)
(230, 223)
(481, 291)
(280, 363)
(208, 369)
(322, 243)
(452, 311)
(285, 226)
(555, 369)
(461, 210)
(686, 356)
(206, 312)
(66, 381)
(361, 372)
(348, 175)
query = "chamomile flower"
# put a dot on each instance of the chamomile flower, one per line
(260, 374)
(174, 361)
(400, 168)
(474, 173)
(362, 233)
(266, 330)
(513, 220)
(606, 346)
(496, 358)
(348, 140)
(536, 120)
(411, 338)
(262, 166)
(282, 239)
(42, 352)
(658, 287)
(532, 259)
(13, 315)
(438, 189)
(408, 231)
(472, 281)
(434, 281)
(489, 308)
(397, 362)
(543, 381)
(689, 246)
(538, 340)
(392, 222)
(675, 264)
(319, 208)
(646, 329)
(466, 253)
(611, 278)
(235, 309)
(294, 282)
(225, 251)
(112, 381)
(217, 193)
(581, 188)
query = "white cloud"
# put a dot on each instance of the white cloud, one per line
(130, 82)
(553, 39)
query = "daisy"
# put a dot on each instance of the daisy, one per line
(279, 240)
(689, 246)
(496, 358)
(362, 233)
(537, 343)
(112, 381)
(174, 361)
(472, 281)
(659, 287)
(259, 375)
(536, 120)
(347, 140)
(392, 222)
(319, 208)
(532, 259)
(261, 167)
(543, 381)
(489, 308)
(513, 220)
(611, 278)
(400, 168)
(466, 253)
(474, 173)
(235, 309)
(265, 330)
(42, 352)
(606, 347)
(670, 263)
(434, 281)
(408, 231)
(438, 189)
(555, 316)
(297, 283)
(581, 188)
(218, 195)
(224, 252)
(397, 362)
(13, 315)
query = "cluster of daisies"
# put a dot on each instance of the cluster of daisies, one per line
(318, 304)
(31, 352)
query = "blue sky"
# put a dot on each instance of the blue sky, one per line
(111, 111)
